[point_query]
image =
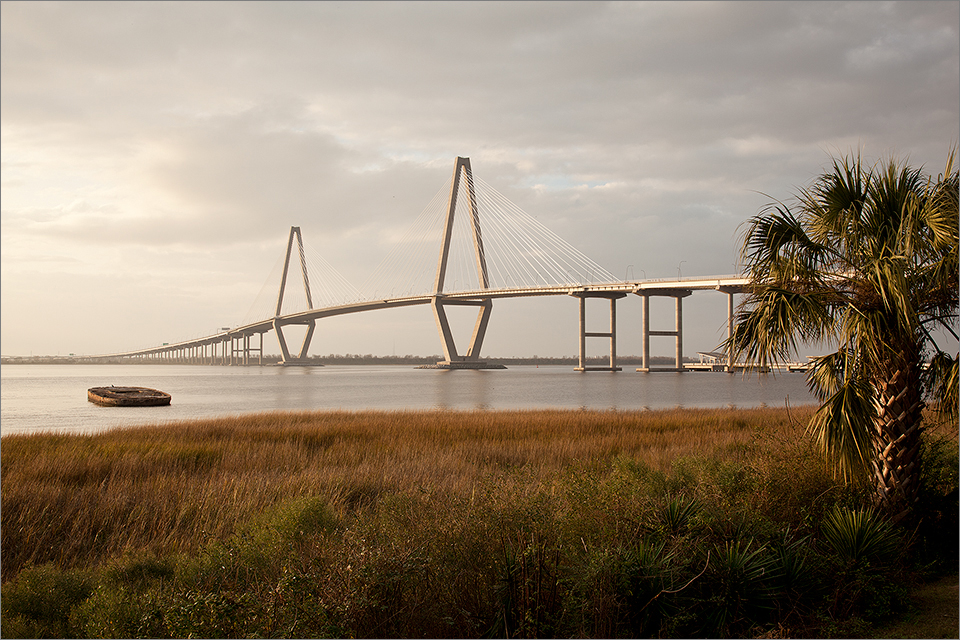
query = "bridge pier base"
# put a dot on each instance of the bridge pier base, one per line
(301, 357)
(472, 358)
(612, 334)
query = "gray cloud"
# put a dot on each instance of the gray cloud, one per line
(170, 139)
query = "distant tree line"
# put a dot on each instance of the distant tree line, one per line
(349, 359)
(355, 358)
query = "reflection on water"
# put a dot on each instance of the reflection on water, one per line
(54, 397)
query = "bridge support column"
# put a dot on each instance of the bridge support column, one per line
(612, 334)
(677, 333)
(284, 352)
(259, 349)
(729, 293)
(471, 360)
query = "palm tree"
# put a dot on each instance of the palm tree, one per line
(867, 262)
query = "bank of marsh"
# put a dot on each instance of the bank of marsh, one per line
(443, 524)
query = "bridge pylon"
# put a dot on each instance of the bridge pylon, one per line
(286, 358)
(453, 359)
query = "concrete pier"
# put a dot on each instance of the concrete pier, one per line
(611, 335)
(676, 333)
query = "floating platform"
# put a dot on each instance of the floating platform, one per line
(461, 365)
(127, 397)
(295, 363)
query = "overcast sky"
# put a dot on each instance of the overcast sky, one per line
(155, 155)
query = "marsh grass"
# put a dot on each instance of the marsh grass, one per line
(77, 500)
(437, 524)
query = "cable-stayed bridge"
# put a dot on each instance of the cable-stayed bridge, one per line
(489, 249)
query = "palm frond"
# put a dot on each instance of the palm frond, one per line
(774, 319)
(876, 335)
(842, 427)
(886, 276)
(941, 378)
(827, 373)
(860, 536)
(935, 287)
(836, 201)
(941, 213)
(895, 190)
(778, 249)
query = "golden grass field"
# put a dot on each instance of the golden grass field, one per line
(74, 499)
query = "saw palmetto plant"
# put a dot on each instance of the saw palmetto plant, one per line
(865, 262)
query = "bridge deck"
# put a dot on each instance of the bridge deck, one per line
(728, 284)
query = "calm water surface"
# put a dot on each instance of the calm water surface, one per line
(54, 397)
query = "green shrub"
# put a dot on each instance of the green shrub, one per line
(116, 611)
(529, 593)
(258, 551)
(212, 614)
(40, 601)
(870, 578)
(296, 519)
(936, 546)
(737, 591)
(677, 515)
(860, 537)
(795, 581)
(629, 591)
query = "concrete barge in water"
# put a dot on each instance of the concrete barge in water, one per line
(127, 396)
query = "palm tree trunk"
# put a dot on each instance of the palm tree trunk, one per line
(896, 465)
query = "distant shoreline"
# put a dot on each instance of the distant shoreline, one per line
(352, 359)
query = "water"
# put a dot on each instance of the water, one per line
(54, 397)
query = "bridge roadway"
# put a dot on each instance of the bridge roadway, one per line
(238, 338)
